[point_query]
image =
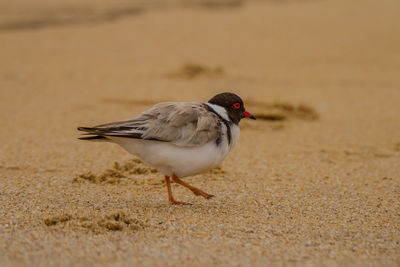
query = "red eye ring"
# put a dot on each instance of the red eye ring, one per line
(236, 105)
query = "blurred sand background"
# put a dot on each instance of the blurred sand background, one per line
(315, 181)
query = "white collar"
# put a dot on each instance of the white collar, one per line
(219, 110)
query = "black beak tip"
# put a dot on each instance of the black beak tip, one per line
(252, 117)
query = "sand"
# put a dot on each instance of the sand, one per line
(314, 182)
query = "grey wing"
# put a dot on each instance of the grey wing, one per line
(184, 124)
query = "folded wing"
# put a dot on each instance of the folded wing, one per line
(184, 124)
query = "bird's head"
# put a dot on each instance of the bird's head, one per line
(233, 105)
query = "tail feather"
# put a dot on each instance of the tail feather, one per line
(94, 135)
(87, 129)
(98, 132)
(93, 138)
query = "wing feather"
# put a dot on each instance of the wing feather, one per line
(184, 124)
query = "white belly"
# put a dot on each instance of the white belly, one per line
(168, 158)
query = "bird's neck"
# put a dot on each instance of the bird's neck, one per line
(221, 111)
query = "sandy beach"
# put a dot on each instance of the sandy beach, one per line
(315, 181)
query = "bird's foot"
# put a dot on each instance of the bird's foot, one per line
(198, 192)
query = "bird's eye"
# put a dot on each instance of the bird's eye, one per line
(236, 105)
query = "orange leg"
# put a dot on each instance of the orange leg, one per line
(195, 190)
(170, 197)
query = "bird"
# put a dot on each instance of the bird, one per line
(179, 139)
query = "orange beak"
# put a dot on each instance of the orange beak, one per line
(248, 115)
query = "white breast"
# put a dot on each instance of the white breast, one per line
(183, 161)
(235, 133)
